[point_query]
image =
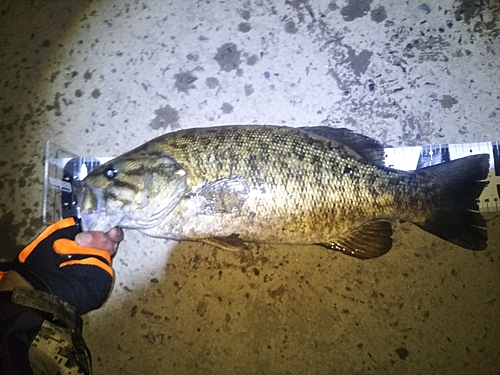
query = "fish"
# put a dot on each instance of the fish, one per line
(239, 184)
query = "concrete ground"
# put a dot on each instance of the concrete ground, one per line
(101, 77)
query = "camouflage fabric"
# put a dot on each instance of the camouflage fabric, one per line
(59, 310)
(58, 347)
(53, 352)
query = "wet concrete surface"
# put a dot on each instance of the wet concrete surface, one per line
(103, 77)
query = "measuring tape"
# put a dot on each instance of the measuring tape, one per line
(411, 158)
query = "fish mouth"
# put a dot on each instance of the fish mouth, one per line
(91, 204)
(88, 221)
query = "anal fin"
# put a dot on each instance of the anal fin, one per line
(370, 240)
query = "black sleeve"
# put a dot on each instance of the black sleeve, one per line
(19, 325)
(40, 334)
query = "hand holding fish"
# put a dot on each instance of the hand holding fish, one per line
(74, 266)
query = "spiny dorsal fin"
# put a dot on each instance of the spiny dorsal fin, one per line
(371, 240)
(368, 148)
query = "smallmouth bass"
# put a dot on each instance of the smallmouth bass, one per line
(272, 184)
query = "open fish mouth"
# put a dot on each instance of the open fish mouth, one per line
(89, 220)
(91, 205)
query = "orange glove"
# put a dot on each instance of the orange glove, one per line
(55, 263)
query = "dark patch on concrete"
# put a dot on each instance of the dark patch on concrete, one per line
(351, 121)
(425, 8)
(29, 169)
(33, 228)
(431, 49)
(468, 9)
(54, 75)
(8, 109)
(416, 130)
(248, 89)
(46, 43)
(202, 308)
(228, 57)
(402, 353)
(277, 293)
(56, 106)
(96, 93)
(244, 27)
(67, 101)
(78, 93)
(184, 81)
(358, 62)
(355, 9)
(252, 60)
(301, 7)
(245, 14)
(133, 311)
(448, 101)
(227, 108)
(87, 75)
(8, 233)
(290, 27)
(333, 5)
(212, 82)
(166, 117)
(193, 57)
(378, 14)
(26, 172)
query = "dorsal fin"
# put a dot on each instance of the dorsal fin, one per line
(368, 148)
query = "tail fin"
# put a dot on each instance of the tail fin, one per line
(456, 216)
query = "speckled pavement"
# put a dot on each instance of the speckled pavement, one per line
(102, 77)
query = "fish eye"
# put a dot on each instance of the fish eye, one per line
(111, 172)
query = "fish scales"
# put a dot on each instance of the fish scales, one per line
(277, 185)
(282, 170)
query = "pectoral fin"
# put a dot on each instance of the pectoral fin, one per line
(224, 196)
(370, 240)
(229, 243)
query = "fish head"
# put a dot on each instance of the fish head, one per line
(134, 191)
